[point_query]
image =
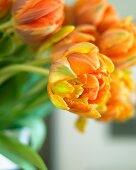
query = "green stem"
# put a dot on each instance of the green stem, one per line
(7, 24)
(41, 62)
(14, 69)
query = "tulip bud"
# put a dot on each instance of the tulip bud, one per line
(37, 19)
(79, 79)
(96, 12)
(118, 106)
(119, 42)
(5, 6)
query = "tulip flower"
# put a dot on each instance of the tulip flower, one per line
(118, 106)
(79, 79)
(5, 6)
(119, 42)
(96, 12)
(37, 19)
(83, 33)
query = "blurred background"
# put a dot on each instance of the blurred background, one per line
(104, 146)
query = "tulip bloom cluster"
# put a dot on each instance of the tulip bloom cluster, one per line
(116, 38)
(81, 78)
(83, 53)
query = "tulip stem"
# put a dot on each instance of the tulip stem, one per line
(7, 24)
(40, 62)
(12, 70)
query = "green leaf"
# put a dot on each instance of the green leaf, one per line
(20, 154)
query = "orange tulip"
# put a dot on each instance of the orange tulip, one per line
(5, 6)
(118, 106)
(95, 12)
(79, 79)
(38, 19)
(83, 33)
(119, 42)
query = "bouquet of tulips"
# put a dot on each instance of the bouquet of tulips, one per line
(79, 57)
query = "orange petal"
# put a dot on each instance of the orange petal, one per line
(82, 64)
(92, 82)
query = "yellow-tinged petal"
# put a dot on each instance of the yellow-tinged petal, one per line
(83, 48)
(60, 70)
(81, 123)
(59, 102)
(92, 114)
(108, 62)
(78, 90)
(62, 87)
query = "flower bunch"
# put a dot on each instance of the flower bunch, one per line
(115, 38)
(79, 57)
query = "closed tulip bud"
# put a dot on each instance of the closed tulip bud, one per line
(37, 19)
(5, 6)
(79, 80)
(119, 106)
(96, 12)
(119, 42)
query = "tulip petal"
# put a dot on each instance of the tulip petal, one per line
(77, 91)
(83, 48)
(81, 123)
(59, 102)
(93, 114)
(92, 82)
(82, 64)
(108, 62)
(62, 87)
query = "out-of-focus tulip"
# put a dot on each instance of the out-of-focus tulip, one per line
(119, 107)
(83, 33)
(95, 12)
(5, 6)
(37, 19)
(119, 42)
(79, 79)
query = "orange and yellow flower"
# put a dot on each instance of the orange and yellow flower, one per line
(119, 42)
(79, 79)
(96, 12)
(36, 20)
(118, 106)
(5, 6)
